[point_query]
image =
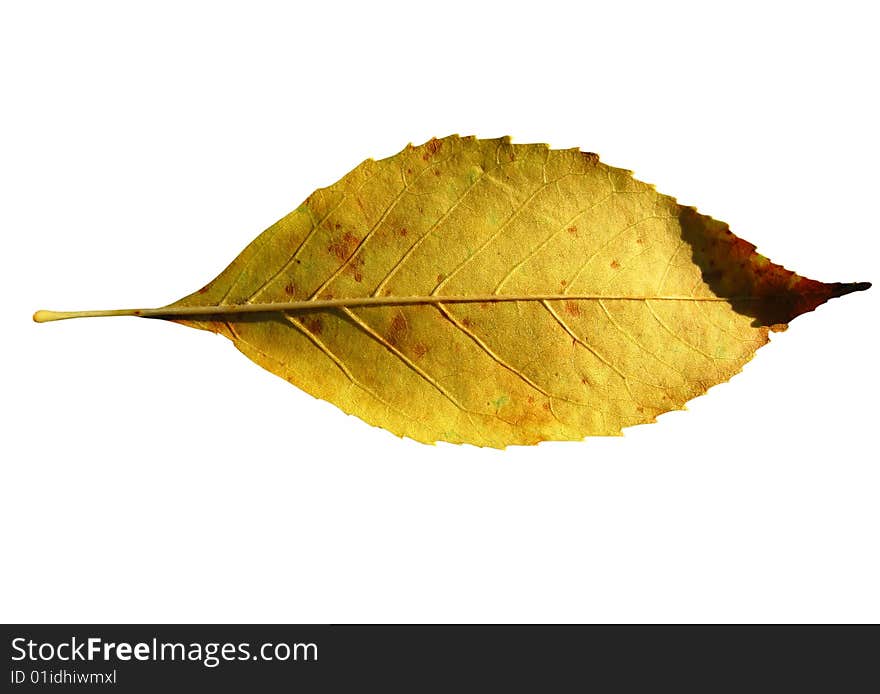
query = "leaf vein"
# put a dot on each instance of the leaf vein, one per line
(546, 241)
(388, 210)
(315, 226)
(522, 206)
(369, 330)
(590, 349)
(525, 379)
(342, 367)
(418, 242)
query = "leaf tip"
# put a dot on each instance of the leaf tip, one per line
(844, 288)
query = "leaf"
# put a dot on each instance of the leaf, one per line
(477, 291)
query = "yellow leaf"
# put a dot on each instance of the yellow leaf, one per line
(477, 291)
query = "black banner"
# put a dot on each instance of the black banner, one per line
(135, 658)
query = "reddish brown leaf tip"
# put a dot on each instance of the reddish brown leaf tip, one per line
(844, 288)
(755, 286)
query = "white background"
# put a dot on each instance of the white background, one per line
(152, 473)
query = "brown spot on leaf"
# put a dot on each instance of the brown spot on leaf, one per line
(432, 146)
(343, 248)
(572, 308)
(355, 267)
(420, 350)
(403, 231)
(573, 231)
(398, 329)
(614, 265)
(591, 157)
(313, 324)
(467, 322)
(290, 289)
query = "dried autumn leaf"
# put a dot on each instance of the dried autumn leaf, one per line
(477, 291)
